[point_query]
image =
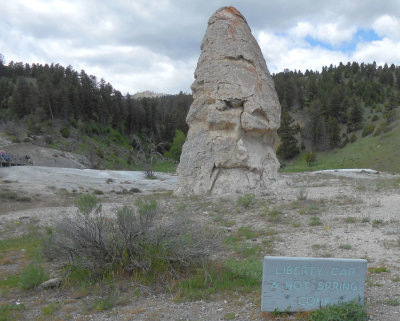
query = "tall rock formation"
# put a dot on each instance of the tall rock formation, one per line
(234, 115)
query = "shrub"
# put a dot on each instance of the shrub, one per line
(32, 275)
(390, 116)
(65, 131)
(130, 240)
(375, 118)
(274, 216)
(353, 138)
(147, 153)
(379, 129)
(311, 158)
(368, 129)
(315, 221)
(99, 152)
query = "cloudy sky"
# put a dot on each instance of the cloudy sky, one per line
(139, 45)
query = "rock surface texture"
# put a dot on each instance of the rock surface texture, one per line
(234, 116)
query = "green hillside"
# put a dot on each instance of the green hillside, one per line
(380, 152)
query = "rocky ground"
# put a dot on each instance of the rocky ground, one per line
(355, 216)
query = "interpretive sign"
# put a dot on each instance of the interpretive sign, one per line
(303, 284)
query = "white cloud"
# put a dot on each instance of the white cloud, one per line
(330, 33)
(381, 51)
(387, 26)
(154, 44)
(282, 52)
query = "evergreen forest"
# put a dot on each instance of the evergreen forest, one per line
(320, 110)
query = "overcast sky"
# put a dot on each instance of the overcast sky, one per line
(139, 45)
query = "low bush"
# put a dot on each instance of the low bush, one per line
(65, 131)
(32, 275)
(368, 129)
(311, 159)
(132, 240)
(379, 129)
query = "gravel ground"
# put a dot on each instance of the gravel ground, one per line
(356, 209)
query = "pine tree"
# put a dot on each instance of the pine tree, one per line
(288, 147)
(333, 132)
(356, 115)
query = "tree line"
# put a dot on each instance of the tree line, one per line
(37, 93)
(319, 109)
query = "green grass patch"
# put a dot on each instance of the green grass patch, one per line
(243, 276)
(165, 166)
(247, 232)
(32, 274)
(103, 303)
(51, 308)
(11, 281)
(352, 311)
(30, 242)
(377, 222)
(11, 312)
(315, 221)
(392, 302)
(246, 200)
(377, 270)
(274, 216)
(351, 219)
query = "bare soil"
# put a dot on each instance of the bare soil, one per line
(359, 216)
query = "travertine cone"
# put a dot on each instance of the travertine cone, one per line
(234, 115)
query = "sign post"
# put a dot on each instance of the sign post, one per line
(304, 284)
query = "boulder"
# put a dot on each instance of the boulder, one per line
(234, 117)
(50, 284)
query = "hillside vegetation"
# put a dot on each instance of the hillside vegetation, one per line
(331, 112)
(324, 110)
(379, 151)
(54, 106)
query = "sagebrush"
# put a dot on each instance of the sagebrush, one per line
(131, 239)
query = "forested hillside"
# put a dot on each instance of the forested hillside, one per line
(320, 110)
(38, 94)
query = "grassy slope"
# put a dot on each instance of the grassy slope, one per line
(380, 153)
(109, 151)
